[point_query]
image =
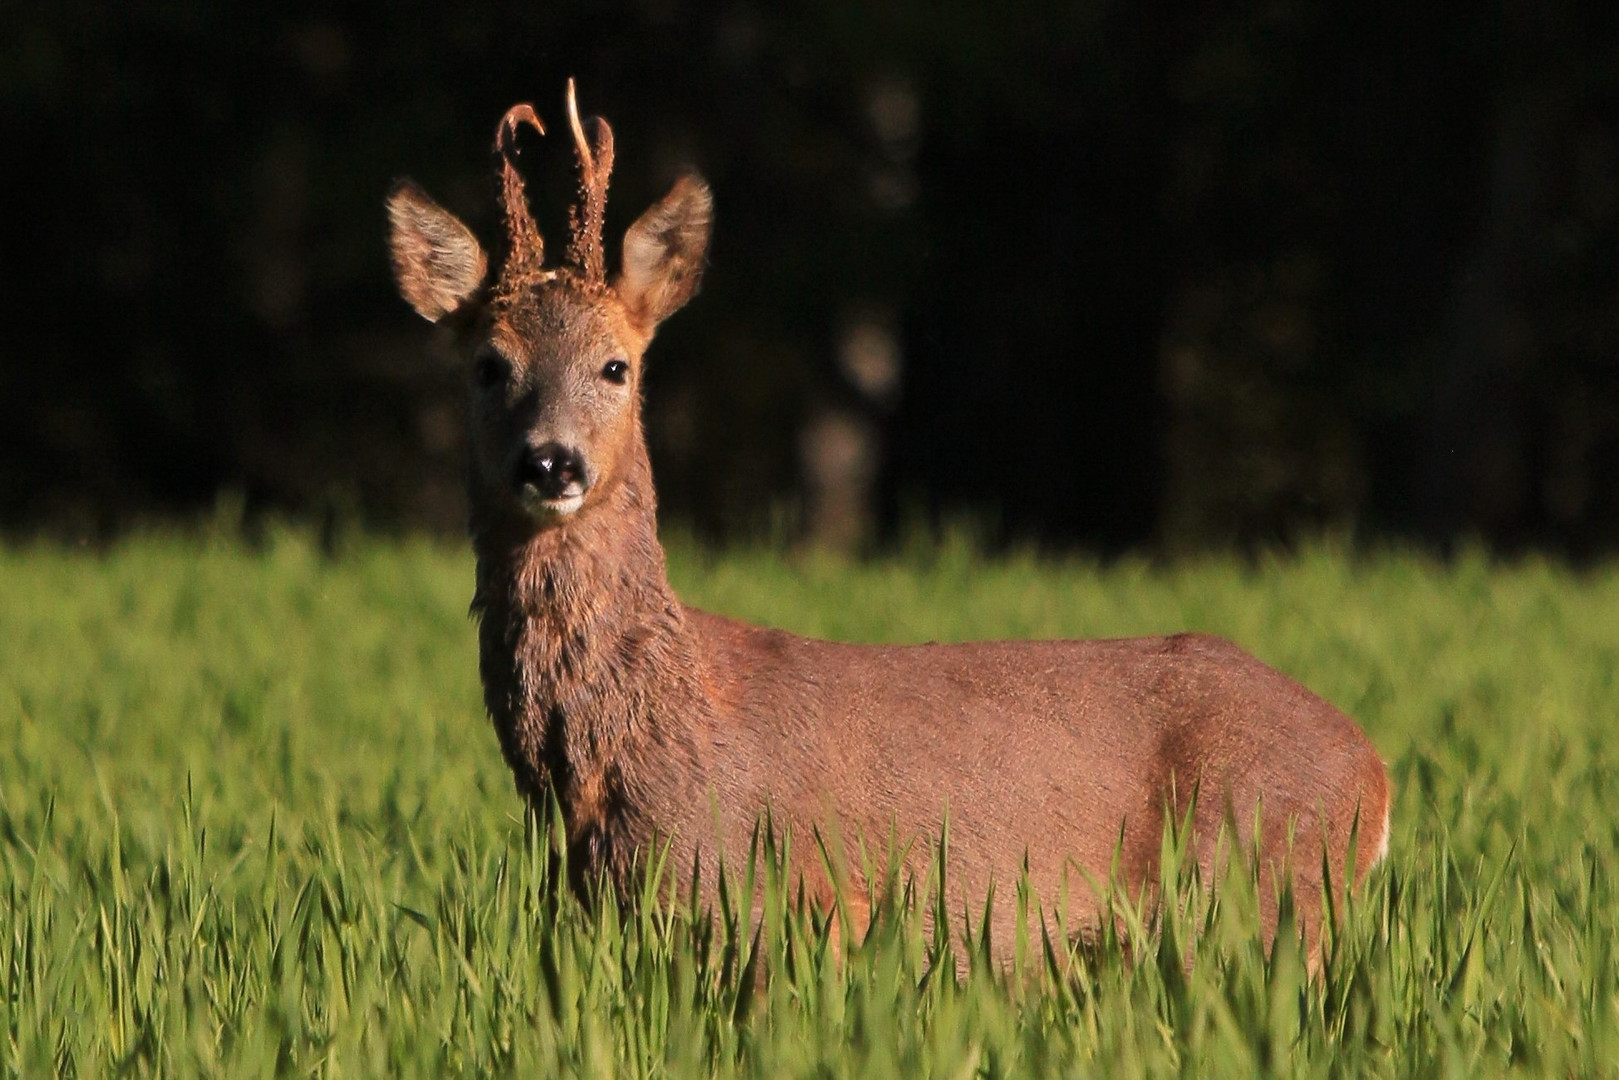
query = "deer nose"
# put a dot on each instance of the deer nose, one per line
(554, 470)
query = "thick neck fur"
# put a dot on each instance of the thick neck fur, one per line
(590, 671)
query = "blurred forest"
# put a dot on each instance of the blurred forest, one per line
(1109, 274)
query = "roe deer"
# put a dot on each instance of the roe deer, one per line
(657, 723)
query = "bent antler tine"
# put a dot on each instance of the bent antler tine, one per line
(522, 113)
(525, 246)
(595, 169)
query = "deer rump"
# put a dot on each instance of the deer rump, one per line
(654, 723)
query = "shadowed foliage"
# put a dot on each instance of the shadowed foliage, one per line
(1108, 273)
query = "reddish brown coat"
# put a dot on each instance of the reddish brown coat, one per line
(653, 721)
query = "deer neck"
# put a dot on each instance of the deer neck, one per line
(588, 660)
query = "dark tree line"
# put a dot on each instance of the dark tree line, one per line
(1115, 274)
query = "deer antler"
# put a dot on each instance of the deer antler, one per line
(595, 168)
(525, 246)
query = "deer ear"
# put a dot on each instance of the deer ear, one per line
(437, 262)
(663, 253)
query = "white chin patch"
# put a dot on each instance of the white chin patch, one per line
(565, 505)
(561, 507)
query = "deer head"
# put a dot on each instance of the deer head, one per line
(554, 352)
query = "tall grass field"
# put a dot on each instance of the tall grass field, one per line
(253, 822)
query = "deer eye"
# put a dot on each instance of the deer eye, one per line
(616, 371)
(489, 368)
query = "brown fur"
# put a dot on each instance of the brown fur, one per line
(436, 259)
(656, 722)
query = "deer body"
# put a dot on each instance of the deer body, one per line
(654, 722)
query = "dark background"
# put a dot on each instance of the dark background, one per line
(1107, 274)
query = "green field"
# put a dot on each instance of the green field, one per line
(253, 822)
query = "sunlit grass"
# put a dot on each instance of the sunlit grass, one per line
(253, 822)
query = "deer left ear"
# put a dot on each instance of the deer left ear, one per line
(438, 263)
(663, 253)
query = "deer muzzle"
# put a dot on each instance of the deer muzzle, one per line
(552, 479)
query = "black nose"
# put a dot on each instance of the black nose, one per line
(552, 468)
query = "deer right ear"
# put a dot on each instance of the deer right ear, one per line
(663, 253)
(438, 263)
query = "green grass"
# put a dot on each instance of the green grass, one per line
(253, 822)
